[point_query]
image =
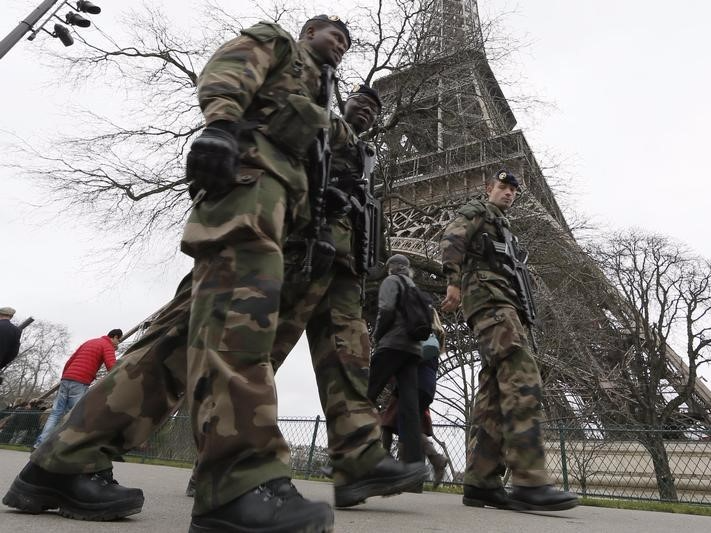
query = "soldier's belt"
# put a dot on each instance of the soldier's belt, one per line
(482, 265)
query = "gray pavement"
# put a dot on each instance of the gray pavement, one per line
(168, 510)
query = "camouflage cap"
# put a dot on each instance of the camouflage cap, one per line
(336, 21)
(7, 311)
(505, 176)
(398, 259)
(368, 91)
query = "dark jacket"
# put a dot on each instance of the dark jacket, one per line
(390, 332)
(9, 342)
(427, 377)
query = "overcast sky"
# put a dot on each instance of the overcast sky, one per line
(629, 82)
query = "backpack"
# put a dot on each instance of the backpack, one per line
(416, 308)
(430, 348)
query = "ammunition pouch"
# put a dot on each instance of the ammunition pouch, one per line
(486, 255)
(294, 126)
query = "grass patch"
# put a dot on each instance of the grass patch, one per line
(641, 505)
(159, 462)
(15, 447)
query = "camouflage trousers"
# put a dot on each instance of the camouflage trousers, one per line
(120, 411)
(231, 325)
(329, 309)
(236, 242)
(506, 417)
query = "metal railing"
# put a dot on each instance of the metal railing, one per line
(629, 463)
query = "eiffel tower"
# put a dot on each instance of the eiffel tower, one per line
(452, 128)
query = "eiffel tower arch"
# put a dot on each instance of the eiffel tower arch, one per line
(451, 127)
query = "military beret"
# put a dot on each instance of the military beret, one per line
(336, 21)
(398, 259)
(366, 91)
(505, 176)
(8, 311)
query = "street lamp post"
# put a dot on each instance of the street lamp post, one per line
(61, 32)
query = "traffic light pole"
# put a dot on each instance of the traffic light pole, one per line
(25, 26)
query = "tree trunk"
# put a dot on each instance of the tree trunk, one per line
(654, 443)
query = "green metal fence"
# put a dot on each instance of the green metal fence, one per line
(629, 463)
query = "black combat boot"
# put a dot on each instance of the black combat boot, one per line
(543, 498)
(274, 507)
(417, 488)
(80, 496)
(478, 497)
(387, 477)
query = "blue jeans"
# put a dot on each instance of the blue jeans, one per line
(68, 395)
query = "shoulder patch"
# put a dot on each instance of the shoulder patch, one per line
(472, 209)
(266, 31)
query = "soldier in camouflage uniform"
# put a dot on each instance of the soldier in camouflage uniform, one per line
(329, 308)
(248, 179)
(506, 417)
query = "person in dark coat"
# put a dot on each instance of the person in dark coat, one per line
(426, 388)
(9, 337)
(397, 355)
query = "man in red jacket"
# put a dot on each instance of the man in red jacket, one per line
(78, 374)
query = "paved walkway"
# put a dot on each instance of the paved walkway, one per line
(168, 510)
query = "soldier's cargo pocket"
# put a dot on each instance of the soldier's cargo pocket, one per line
(474, 294)
(295, 125)
(342, 237)
(498, 286)
(499, 333)
(254, 210)
(481, 325)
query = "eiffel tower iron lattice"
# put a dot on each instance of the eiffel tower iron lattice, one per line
(450, 126)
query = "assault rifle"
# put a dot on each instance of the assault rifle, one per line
(516, 266)
(366, 214)
(319, 171)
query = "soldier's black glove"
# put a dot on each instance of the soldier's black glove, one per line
(324, 253)
(213, 160)
(337, 202)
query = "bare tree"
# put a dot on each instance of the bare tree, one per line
(126, 173)
(44, 347)
(658, 296)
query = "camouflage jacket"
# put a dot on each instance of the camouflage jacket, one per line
(466, 265)
(267, 83)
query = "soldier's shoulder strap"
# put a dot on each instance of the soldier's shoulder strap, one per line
(474, 208)
(367, 147)
(341, 132)
(477, 208)
(264, 32)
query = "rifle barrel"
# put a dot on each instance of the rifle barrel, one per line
(25, 323)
